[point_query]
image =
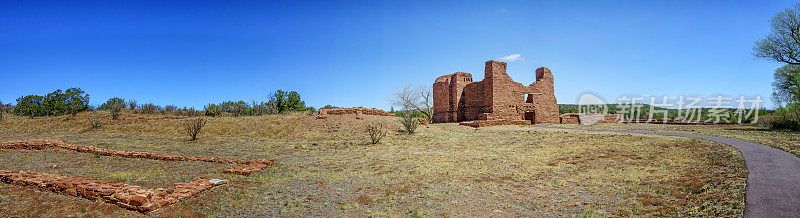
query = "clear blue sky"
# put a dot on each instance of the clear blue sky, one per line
(356, 53)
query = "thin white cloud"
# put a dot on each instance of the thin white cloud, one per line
(512, 58)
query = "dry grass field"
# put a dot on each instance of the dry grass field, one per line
(326, 167)
(788, 141)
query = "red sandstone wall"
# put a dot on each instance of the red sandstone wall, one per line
(496, 97)
(546, 106)
(358, 111)
(447, 91)
(459, 80)
(570, 118)
(127, 196)
(441, 100)
(243, 166)
(612, 118)
(502, 93)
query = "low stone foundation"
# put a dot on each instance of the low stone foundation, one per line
(678, 122)
(358, 111)
(243, 166)
(570, 118)
(583, 118)
(128, 196)
(485, 123)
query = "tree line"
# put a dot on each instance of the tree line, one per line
(75, 100)
(782, 45)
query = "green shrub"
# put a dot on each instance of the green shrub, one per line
(149, 108)
(409, 122)
(116, 109)
(30, 105)
(330, 107)
(112, 101)
(212, 110)
(170, 108)
(283, 101)
(786, 118)
(236, 108)
(94, 120)
(72, 101)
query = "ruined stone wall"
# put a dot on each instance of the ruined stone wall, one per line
(570, 118)
(127, 196)
(583, 118)
(243, 166)
(472, 106)
(545, 105)
(612, 118)
(358, 111)
(496, 97)
(442, 110)
(508, 97)
(447, 91)
(367, 111)
(459, 80)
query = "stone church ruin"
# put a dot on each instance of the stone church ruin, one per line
(495, 100)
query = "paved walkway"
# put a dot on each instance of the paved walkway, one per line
(773, 185)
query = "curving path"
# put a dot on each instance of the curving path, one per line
(773, 185)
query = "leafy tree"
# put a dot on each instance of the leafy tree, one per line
(212, 110)
(237, 108)
(72, 101)
(112, 101)
(786, 87)
(77, 100)
(783, 42)
(294, 103)
(30, 105)
(283, 101)
(328, 107)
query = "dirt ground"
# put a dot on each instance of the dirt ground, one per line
(326, 168)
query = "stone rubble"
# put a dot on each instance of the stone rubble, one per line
(678, 122)
(127, 196)
(358, 111)
(586, 118)
(243, 166)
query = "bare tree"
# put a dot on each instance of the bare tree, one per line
(419, 99)
(132, 104)
(193, 127)
(376, 132)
